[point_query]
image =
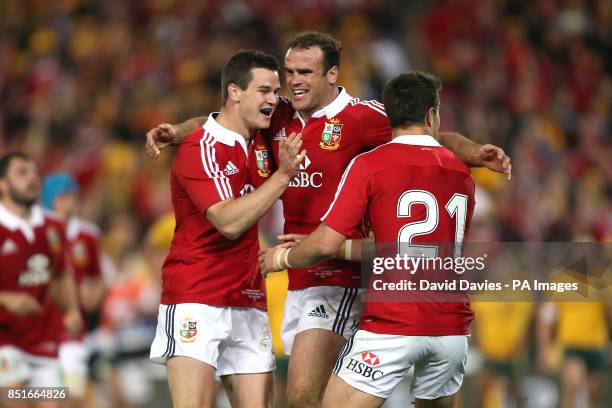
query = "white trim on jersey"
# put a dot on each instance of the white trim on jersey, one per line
(340, 185)
(335, 107)
(211, 167)
(75, 225)
(222, 134)
(416, 140)
(343, 179)
(12, 221)
(374, 105)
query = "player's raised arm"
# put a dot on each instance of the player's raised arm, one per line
(165, 134)
(476, 155)
(232, 217)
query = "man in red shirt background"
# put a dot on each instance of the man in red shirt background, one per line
(32, 244)
(60, 194)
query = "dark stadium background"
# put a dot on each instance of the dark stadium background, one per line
(81, 81)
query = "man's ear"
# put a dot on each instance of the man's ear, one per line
(332, 75)
(233, 93)
(429, 118)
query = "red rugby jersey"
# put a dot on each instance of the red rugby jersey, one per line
(31, 254)
(410, 182)
(211, 165)
(83, 260)
(83, 255)
(332, 136)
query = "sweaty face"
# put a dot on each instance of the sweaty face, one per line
(308, 84)
(22, 182)
(258, 101)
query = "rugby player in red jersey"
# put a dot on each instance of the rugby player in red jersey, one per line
(414, 192)
(60, 194)
(33, 275)
(212, 317)
(320, 310)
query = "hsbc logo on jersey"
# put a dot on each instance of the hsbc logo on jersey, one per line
(38, 272)
(367, 366)
(305, 179)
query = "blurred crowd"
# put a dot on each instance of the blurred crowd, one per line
(81, 81)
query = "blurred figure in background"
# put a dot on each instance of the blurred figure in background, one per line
(33, 276)
(579, 349)
(501, 334)
(60, 194)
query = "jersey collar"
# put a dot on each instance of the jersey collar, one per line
(223, 134)
(72, 228)
(13, 222)
(335, 107)
(417, 140)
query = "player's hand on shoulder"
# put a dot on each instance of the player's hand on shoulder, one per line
(494, 158)
(289, 154)
(159, 138)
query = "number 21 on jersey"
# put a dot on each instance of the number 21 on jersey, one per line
(456, 208)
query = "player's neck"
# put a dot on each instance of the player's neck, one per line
(17, 209)
(326, 100)
(412, 131)
(230, 120)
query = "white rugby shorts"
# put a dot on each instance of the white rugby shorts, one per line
(233, 340)
(35, 371)
(376, 363)
(331, 308)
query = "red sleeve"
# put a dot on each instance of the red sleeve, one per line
(376, 129)
(196, 168)
(349, 207)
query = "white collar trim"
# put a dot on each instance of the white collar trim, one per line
(335, 107)
(416, 140)
(72, 228)
(14, 222)
(223, 134)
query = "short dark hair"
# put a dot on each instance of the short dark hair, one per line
(332, 48)
(6, 160)
(237, 71)
(408, 97)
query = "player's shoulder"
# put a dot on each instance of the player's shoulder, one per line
(199, 144)
(368, 161)
(366, 109)
(283, 111)
(84, 227)
(52, 218)
(452, 161)
(194, 137)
